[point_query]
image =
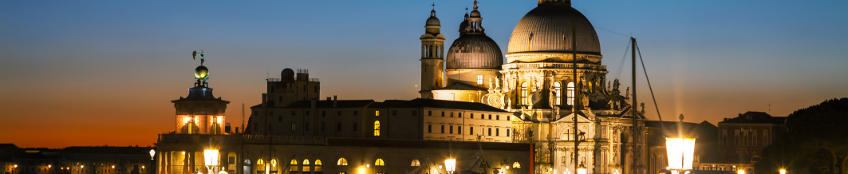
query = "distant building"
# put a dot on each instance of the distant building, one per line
(742, 139)
(76, 160)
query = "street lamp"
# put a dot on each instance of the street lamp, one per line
(782, 171)
(450, 165)
(581, 169)
(211, 158)
(681, 151)
(152, 153)
(740, 171)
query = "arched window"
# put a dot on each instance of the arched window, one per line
(273, 166)
(342, 162)
(523, 94)
(318, 167)
(376, 128)
(306, 165)
(379, 162)
(516, 165)
(293, 165)
(570, 93)
(415, 163)
(557, 93)
(260, 166)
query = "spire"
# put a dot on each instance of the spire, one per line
(433, 12)
(475, 5)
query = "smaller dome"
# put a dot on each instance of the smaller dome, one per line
(463, 25)
(433, 21)
(475, 13)
(201, 72)
(287, 74)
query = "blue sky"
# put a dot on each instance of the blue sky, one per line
(67, 65)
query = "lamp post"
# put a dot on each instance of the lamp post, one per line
(211, 158)
(450, 165)
(581, 169)
(152, 153)
(681, 151)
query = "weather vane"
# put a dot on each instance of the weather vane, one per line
(194, 56)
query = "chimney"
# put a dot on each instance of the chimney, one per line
(264, 97)
(335, 101)
(329, 98)
(237, 130)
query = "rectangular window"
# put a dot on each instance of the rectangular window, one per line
(451, 130)
(293, 126)
(355, 113)
(497, 131)
(280, 118)
(451, 114)
(269, 127)
(323, 113)
(460, 115)
(443, 113)
(471, 131)
(490, 117)
(508, 118)
(355, 128)
(490, 131)
(429, 128)
(507, 132)
(443, 128)
(307, 113)
(498, 117)
(339, 127)
(377, 113)
(322, 126)
(459, 130)
(340, 113)
(306, 126)
(472, 115)
(429, 113)
(479, 79)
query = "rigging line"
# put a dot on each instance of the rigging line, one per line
(623, 58)
(645, 70)
(614, 32)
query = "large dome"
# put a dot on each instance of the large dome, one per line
(474, 51)
(550, 26)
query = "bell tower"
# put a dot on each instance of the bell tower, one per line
(432, 56)
(200, 112)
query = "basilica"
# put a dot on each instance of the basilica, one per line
(552, 73)
(543, 107)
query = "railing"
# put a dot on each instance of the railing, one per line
(241, 138)
(314, 80)
(553, 65)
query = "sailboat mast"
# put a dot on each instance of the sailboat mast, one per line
(633, 110)
(575, 98)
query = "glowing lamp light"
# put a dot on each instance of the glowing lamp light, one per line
(211, 157)
(740, 172)
(16, 166)
(680, 153)
(581, 169)
(450, 165)
(113, 166)
(81, 166)
(782, 171)
(49, 166)
(152, 153)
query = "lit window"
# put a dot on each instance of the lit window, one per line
(570, 95)
(479, 79)
(557, 93)
(516, 165)
(306, 165)
(524, 100)
(318, 164)
(415, 163)
(379, 162)
(376, 128)
(376, 113)
(342, 162)
(293, 165)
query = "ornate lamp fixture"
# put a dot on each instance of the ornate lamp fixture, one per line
(450, 165)
(210, 156)
(681, 151)
(152, 153)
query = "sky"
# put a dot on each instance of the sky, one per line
(91, 73)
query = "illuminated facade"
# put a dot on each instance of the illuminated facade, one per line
(552, 74)
(76, 160)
